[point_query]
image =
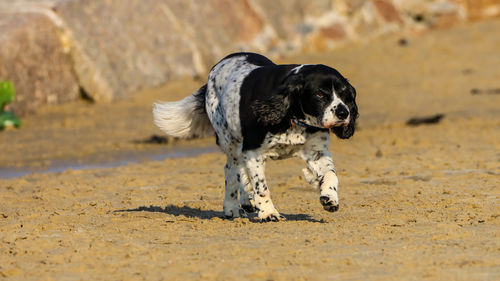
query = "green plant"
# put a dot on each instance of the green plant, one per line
(7, 94)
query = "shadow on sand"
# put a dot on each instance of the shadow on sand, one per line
(207, 214)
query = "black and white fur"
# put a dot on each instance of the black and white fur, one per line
(260, 110)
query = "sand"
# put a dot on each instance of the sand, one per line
(415, 202)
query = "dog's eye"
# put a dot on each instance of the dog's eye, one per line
(320, 94)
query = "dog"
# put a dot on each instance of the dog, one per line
(259, 110)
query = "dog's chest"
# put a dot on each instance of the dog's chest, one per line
(284, 145)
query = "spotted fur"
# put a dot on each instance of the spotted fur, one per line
(258, 111)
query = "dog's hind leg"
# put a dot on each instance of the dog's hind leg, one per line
(246, 191)
(231, 205)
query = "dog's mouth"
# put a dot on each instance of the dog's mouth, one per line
(341, 123)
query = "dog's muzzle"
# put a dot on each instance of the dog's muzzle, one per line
(342, 113)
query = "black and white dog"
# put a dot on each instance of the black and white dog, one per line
(260, 110)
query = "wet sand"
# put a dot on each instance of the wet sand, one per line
(415, 202)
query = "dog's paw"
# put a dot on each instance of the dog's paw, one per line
(247, 203)
(235, 213)
(270, 216)
(329, 204)
(249, 208)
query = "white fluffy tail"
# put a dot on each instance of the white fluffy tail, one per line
(186, 118)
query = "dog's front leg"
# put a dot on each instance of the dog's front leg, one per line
(320, 172)
(328, 191)
(255, 166)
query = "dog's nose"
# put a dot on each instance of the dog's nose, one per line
(341, 112)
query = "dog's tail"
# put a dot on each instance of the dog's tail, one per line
(186, 118)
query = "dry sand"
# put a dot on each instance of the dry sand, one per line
(415, 202)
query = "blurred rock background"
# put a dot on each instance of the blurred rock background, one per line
(56, 51)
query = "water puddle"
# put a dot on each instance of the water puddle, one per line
(115, 161)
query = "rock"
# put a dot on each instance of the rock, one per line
(215, 28)
(32, 57)
(433, 13)
(286, 16)
(113, 49)
(387, 11)
(120, 47)
(425, 120)
(478, 9)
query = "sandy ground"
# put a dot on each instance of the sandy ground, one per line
(416, 202)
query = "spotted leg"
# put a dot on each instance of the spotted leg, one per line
(255, 166)
(231, 205)
(246, 191)
(320, 171)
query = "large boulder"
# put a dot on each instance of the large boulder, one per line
(122, 46)
(32, 56)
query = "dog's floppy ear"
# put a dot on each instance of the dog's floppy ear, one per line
(274, 108)
(347, 131)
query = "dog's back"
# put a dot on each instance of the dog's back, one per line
(223, 95)
(215, 106)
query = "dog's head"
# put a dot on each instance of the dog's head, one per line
(319, 96)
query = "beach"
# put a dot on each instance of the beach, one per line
(85, 195)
